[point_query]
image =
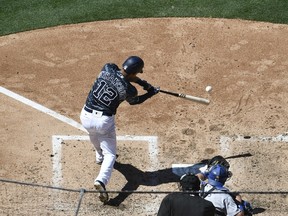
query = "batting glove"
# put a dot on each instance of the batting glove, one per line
(153, 90)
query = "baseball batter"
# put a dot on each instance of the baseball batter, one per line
(111, 87)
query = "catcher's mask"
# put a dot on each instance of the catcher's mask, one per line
(133, 65)
(218, 160)
(189, 182)
(218, 175)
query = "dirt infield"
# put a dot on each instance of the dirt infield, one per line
(245, 62)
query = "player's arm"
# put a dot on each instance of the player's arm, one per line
(135, 79)
(241, 213)
(134, 99)
(202, 175)
(232, 208)
(146, 86)
(141, 98)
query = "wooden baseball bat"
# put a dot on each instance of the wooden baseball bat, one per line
(188, 97)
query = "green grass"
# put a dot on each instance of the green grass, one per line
(23, 15)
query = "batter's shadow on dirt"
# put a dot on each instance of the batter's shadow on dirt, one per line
(136, 177)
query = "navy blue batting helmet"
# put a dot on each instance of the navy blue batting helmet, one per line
(133, 64)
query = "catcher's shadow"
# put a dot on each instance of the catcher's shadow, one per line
(136, 177)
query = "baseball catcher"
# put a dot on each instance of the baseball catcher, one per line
(203, 170)
(226, 203)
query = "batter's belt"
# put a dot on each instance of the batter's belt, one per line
(87, 109)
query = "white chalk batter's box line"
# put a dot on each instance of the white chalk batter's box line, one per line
(225, 142)
(57, 151)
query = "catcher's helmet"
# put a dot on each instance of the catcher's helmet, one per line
(218, 160)
(218, 174)
(133, 64)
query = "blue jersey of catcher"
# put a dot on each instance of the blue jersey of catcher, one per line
(110, 89)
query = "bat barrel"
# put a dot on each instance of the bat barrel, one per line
(188, 97)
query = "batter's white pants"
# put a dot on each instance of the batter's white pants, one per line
(102, 135)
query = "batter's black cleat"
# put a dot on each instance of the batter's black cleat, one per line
(99, 186)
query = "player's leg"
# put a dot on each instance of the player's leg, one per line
(90, 123)
(95, 141)
(108, 146)
(107, 138)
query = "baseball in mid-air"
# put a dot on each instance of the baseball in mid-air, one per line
(208, 88)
